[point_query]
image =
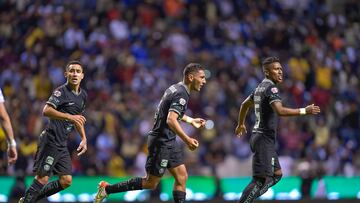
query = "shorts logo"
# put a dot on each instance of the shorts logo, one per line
(182, 101)
(46, 167)
(164, 163)
(49, 160)
(274, 90)
(161, 170)
(57, 93)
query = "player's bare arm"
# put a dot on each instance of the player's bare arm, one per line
(244, 108)
(6, 125)
(172, 121)
(196, 122)
(52, 113)
(284, 111)
(83, 144)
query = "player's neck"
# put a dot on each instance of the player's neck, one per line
(187, 86)
(75, 88)
(270, 80)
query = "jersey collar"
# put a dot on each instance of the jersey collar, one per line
(186, 88)
(270, 81)
(72, 91)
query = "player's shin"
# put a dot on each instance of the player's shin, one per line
(253, 188)
(270, 181)
(132, 184)
(33, 191)
(50, 189)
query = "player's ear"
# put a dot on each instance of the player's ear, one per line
(191, 77)
(266, 72)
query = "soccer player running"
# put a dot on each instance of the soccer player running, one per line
(267, 104)
(64, 108)
(9, 133)
(163, 150)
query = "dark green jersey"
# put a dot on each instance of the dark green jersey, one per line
(266, 118)
(65, 100)
(174, 99)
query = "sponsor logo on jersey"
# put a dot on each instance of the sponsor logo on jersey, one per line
(46, 167)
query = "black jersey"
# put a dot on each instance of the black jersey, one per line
(266, 118)
(174, 99)
(65, 100)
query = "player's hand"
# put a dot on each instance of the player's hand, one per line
(192, 144)
(312, 109)
(82, 147)
(240, 130)
(198, 122)
(12, 155)
(77, 119)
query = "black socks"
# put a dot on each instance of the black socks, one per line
(257, 187)
(270, 181)
(179, 196)
(33, 191)
(50, 189)
(131, 184)
(252, 190)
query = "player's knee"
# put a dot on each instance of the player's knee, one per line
(66, 181)
(259, 181)
(150, 185)
(277, 178)
(42, 179)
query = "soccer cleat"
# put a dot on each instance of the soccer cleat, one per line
(101, 193)
(21, 200)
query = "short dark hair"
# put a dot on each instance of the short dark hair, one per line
(191, 68)
(268, 61)
(76, 63)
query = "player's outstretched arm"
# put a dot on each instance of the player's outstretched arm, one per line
(244, 108)
(196, 122)
(284, 111)
(9, 133)
(172, 121)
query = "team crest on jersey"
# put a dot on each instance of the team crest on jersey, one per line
(274, 90)
(57, 93)
(182, 101)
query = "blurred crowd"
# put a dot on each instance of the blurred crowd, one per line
(133, 50)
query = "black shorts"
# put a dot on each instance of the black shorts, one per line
(265, 158)
(50, 159)
(163, 157)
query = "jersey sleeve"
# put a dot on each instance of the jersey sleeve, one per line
(272, 93)
(56, 99)
(2, 99)
(179, 104)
